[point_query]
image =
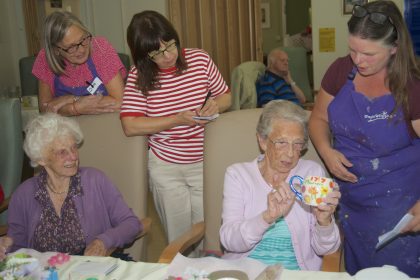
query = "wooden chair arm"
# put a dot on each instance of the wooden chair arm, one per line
(147, 224)
(5, 204)
(182, 243)
(333, 262)
(3, 230)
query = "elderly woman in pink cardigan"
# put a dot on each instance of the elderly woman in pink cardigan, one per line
(261, 217)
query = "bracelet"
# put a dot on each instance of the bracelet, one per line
(293, 83)
(76, 113)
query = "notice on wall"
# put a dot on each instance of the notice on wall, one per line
(327, 39)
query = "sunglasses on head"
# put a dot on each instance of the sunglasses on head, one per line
(375, 17)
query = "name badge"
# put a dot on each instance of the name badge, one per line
(94, 86)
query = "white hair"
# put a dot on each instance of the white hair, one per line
(44, 130)
(281, 110)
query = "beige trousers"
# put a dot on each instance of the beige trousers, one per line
(178, 194)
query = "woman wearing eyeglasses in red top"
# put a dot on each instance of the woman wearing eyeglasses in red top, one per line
(166, 89)
(77, 72)
(369, 104)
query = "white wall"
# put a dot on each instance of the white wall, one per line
(329, 13)
(110, 18)
(12, 42)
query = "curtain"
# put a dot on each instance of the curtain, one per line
(229, 30)
(30, 13)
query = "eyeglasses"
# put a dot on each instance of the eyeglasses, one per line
(71, 50)
(155, 55)
(283, 144)
(375, 17)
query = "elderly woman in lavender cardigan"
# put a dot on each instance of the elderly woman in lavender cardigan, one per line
(261, 218)
(66, 208)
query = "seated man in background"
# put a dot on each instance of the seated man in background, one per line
(277, 82)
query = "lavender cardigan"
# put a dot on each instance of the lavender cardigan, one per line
(244, 200)
(102, 212)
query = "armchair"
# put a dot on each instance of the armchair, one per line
(230, 139)
(244, 93)
(11, 141)
(298, 67)
(123, 159)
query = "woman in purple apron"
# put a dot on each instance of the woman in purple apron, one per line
(77, 73)
(375, 154)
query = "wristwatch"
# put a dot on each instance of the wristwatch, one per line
(293, 83)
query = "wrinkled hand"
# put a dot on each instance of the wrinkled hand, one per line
(96, 248)
(55, 104)
(324, 212)
(5, 243)
(95, 104)
(414, 224)
(279, 201)
(210, 108)
(337, 164)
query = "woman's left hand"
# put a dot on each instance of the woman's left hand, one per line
(414, 224)
(324, 212)
(96, 248)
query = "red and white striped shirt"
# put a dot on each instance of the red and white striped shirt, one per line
(181, 144)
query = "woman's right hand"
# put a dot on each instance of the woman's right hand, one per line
(5, 243)
(279, 202)
(337, 164)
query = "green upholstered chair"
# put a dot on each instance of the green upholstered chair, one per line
(125, 59)
(28, 82)
(11, 152)
(244, 92)
(298, 66)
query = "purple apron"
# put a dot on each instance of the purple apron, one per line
(387, 164)
(61, 89)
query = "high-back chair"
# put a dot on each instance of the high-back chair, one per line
(11, 151)
(29, 83)
(298, 66)
(123, 159)
(244, 92)
(230, 139)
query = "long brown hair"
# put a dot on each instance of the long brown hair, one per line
(403, 66)
(144, 34)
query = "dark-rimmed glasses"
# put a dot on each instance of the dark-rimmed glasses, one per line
(282, 144)
(71, 50)
(170, 46)
(375, 17)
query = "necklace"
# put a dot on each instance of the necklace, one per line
(56, 192)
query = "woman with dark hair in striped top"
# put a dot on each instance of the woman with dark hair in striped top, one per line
(163, 97)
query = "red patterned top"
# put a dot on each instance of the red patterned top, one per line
(105, 59)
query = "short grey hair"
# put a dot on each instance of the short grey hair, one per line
(281, 110)
(272, 56)
(55, 28)
(44, 129)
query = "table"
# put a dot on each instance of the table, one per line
(153, 271)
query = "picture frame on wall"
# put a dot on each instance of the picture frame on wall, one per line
(265, 15)
(348, 5)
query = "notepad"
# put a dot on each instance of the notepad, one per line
(390, 235)
(96, 268)
(206, 118)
